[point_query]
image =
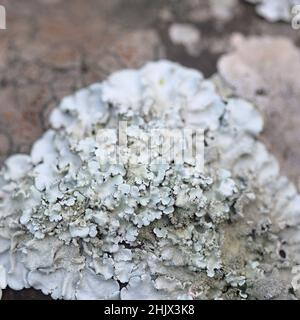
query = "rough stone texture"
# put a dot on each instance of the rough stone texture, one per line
(53, 47)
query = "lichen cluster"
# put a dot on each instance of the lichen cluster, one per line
(78, 225)
(275, 10)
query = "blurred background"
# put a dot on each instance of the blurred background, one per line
(53, 47)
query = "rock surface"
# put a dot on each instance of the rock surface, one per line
(53, 47)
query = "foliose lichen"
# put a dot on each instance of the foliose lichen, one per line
(76, 225)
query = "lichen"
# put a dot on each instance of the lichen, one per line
(275, 10)
(186, 35)
(77, 225)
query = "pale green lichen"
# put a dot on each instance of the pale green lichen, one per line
(77, 225)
